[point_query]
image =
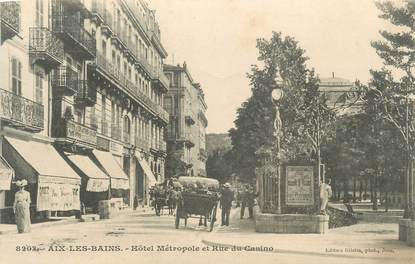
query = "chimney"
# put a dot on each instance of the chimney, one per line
(332, 74)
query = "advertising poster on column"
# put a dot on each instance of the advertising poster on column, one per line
(299, 185)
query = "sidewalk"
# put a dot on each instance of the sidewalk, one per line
(55, 221)
(371, 242)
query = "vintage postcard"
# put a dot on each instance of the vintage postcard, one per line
(207, 131)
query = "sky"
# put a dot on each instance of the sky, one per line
(217, 39)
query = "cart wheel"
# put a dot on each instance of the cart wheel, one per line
(177, 221)
(213, 217)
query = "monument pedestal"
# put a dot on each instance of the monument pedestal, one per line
(407, 231)
(290, 223)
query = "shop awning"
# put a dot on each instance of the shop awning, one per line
(151, 180)
(98, 181)
(119, 180)
(37, 162)
(6, 175)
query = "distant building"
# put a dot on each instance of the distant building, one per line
(186, 132)
(340, 95)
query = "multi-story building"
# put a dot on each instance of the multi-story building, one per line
(129, 113)
(340, 95)
(186, 133)
(81, 102)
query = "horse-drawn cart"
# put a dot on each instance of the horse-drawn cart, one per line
(198, 199)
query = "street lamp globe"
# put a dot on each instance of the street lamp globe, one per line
(276, 94)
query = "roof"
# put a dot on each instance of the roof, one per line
(335, 81)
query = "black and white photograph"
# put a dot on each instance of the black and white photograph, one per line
(207, 131)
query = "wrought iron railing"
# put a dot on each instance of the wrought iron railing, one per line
(70, 25)
(10, 14)
(41, 40)
(78, 132)
(18, 109)
(87, 94)
(99, 8)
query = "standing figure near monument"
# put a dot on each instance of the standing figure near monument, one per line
(226, 199)
(248, 200)
(325, 194)
(21, 208)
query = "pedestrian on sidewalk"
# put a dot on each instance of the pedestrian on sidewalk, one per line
(248, 200)
(135, 203)
(226, 199)
(21, 208)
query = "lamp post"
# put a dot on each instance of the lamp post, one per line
(276, 96)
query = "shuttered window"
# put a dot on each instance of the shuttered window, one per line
(16, 77)
(39, 88)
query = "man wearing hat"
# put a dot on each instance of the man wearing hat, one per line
(226, 199)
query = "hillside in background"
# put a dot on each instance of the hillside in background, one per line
(217, 141)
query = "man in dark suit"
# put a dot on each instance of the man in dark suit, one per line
(226, 199)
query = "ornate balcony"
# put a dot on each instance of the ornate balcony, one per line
(116, 132)
(65, 80)
(143, 64)
(72, 6)
(160, 80)
(10, 19)
(72, 132)
(87, 94)
(44, 48)
(161, 113)
(20, 112)
(142, 143)
(102, 16)
(77, 40)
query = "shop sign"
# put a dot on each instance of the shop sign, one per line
(123, 184)
(97, 185)
(57, 197)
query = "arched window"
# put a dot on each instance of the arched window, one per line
(127, 129)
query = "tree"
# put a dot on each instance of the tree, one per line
(218, 165)
(302, 111)
(392, 95)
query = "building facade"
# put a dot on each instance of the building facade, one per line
(82, 95)
(340, 95)
(186, 132)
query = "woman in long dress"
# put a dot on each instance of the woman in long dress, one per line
(21, 208)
